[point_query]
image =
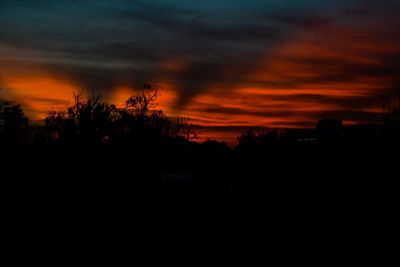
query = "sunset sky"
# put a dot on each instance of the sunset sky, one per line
(226, 64)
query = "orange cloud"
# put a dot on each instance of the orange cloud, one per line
(38, 94)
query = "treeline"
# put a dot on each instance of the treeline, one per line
(136, 167)
(92, 121)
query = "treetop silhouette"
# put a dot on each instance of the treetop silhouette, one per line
(90, 120)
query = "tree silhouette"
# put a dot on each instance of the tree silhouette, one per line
(89, 121)
(144, 103)
(182, 127)
(93, 121)
(141, 118)
(14, 125)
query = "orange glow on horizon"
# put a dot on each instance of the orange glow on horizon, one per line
(38, 95)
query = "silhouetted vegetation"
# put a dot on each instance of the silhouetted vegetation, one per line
(14, 125)
(135, 165)
(90, 121)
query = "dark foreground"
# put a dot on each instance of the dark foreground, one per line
(193, 189)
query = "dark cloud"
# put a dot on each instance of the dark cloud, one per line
(351, 115)
(298, 118)
(359, 11)
(310, 22)
(345, 102)
(142, 35)
(292, 124)
(268, 111)
(326, 70)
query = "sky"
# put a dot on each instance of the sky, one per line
(225, 64)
